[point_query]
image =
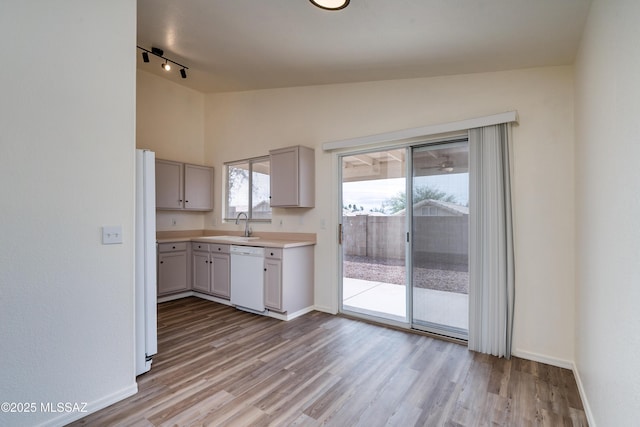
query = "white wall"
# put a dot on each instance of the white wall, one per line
(247, 124)
(170, 121)
(607, 213)
(67, 120)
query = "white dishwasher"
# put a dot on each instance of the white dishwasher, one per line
(247, 278)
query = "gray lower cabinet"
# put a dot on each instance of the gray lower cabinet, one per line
(220, 279)
(173, 268)
(288, 279)
(210, 266)
(206, 268)
(273, 280)
(200, 267)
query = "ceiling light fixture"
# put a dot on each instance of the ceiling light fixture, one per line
(165, 65)
(446, 166)
(330, 4)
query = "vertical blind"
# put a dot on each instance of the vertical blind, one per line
(491, 253)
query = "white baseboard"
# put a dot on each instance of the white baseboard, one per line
(92, 407)
(583, 397)
(554, 361)
(176, 296)
(290, 316)
(324, 309)
(567, 364)
(268, 313)
(211, 298)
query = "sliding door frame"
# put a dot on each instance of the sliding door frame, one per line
(406, 324)
(451, 332)
(408, 145)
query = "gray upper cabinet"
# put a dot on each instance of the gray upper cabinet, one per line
(292, 177)
(169, 184)
(198, 187)
(181, 186)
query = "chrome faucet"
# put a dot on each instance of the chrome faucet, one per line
(247, 230)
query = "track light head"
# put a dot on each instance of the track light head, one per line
(166, 66)
(145, 56)
(157, 51)
(183, 73)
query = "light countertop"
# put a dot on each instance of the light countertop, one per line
(271, 240)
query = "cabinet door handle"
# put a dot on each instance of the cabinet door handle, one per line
(186, 201)
(265, 269)
(173, 247)
(161, 262)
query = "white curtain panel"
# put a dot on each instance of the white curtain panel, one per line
(491, 264)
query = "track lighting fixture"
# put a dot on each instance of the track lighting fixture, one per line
(165, 65)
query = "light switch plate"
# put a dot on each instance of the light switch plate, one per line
(112, 235)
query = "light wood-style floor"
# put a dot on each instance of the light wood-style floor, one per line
(219, 366)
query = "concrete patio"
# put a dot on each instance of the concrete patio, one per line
(389, 301)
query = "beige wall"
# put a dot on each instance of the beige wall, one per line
(246, 124)
(67, 150)
(607, 213)
(170, 122)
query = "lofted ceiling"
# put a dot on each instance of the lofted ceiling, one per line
(237, 45)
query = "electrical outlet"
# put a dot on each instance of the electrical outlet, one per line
(112, 235)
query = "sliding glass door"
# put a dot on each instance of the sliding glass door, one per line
(440, 238)
(405, 258)
(374, 228)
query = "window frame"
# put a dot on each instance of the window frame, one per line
(250, 161)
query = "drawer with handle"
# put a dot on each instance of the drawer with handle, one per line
(221, 249)
(200, 247)
(172, 247)
(275, 253)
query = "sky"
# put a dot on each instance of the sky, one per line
(368, 194)
(371, 194)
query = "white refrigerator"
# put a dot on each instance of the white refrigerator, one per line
(145, 267)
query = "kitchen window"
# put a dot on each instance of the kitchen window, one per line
(248, 189)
